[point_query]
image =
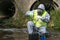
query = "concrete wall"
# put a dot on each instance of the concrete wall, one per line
(58, 2)
(25, 5)
(22, 6)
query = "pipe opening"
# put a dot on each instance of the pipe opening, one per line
(49, 5)
(7, 8)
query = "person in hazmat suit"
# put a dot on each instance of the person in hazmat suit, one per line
(39, 19)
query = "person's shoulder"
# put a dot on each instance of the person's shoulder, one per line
(27, 12)
(46, 11)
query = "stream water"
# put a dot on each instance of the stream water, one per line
(20, 34)
(12, 34)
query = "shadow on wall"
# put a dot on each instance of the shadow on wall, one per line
(49, 4)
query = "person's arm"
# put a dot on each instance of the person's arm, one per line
(46, 18)
(29, 13)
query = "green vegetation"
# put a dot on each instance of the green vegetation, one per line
(18, 22)
(55, 19)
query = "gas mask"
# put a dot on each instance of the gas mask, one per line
(40, 12)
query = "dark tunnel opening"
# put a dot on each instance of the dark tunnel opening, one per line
(7, 8)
